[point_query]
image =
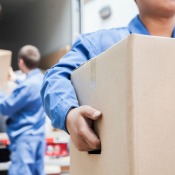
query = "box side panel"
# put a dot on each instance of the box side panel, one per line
(104, 83)
(154, 101)
(5, 62)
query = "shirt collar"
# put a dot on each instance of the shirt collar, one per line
(136, 26)
(33, 72)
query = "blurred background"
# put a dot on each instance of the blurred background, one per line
(53, 26)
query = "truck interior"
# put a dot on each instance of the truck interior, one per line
(49, 25)
(52, 26)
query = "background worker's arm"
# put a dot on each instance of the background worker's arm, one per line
(13, 77)
(59, 97)
(15, 102)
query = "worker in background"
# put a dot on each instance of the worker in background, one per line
(156, 17)
(25, 117)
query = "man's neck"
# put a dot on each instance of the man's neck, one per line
(27, 71)
(159, 26)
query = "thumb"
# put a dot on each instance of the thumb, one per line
(89, 112)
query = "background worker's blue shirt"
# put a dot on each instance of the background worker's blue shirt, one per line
(23, 108)
(57, 92)
(1, 95)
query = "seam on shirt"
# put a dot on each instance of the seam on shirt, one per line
(89, 45)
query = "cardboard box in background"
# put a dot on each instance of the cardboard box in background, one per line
(53, 58)
(5, 62)
(133, 84)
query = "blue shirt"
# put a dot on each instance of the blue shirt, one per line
(23, 108)
(57, 92)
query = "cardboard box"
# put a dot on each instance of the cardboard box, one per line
(5, 62)
(49, 60)
(133, 84)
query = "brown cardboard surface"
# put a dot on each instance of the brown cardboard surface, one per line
(133, 84)
(5, 62)
(53, 58)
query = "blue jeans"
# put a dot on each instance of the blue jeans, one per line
(27, 155)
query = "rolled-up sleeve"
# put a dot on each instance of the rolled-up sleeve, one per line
(58, 94)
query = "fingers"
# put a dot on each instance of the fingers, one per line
(91, 113)
(11, 73)
(81, 144)
(88, 135)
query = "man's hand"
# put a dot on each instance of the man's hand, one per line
(79, 125)
(11, 76)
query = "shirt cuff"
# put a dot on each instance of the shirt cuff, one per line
(72, 107)
(59, 115)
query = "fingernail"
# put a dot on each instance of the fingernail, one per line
(97, 113)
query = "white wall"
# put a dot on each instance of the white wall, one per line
(122, 12)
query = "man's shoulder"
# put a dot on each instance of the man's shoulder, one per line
(103, 39)
(113, 31)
